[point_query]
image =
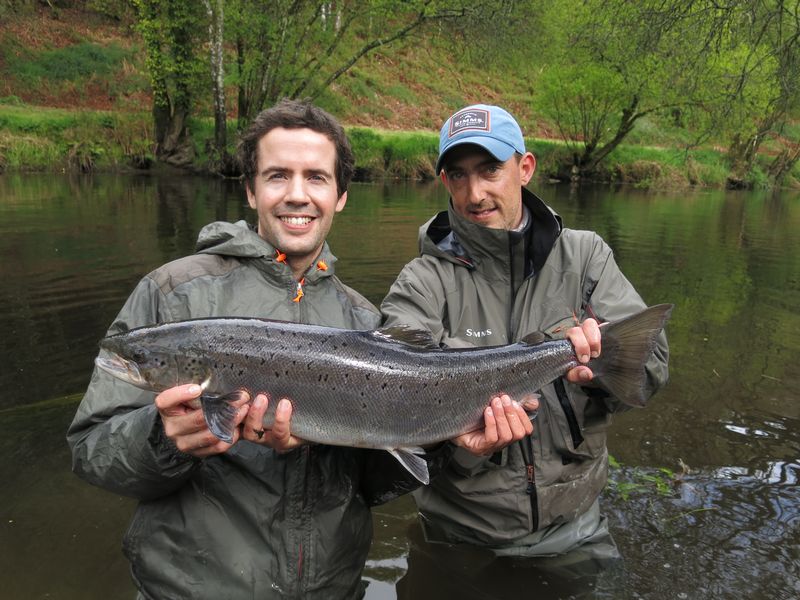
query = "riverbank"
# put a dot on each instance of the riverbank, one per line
(44, 139)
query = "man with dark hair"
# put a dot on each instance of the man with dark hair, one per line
(496, 266)
(267, 516)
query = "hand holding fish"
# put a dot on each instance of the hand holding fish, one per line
(185, 425)
(505, 422)
(279, 437)
(585, 339)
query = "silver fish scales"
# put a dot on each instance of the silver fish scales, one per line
(388, 389)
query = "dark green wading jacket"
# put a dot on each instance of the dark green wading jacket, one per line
(249, 523)
(475, 286)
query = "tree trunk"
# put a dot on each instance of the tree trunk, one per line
(216, 16)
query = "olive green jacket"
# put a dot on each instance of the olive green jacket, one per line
(249, 523)
(476, 286)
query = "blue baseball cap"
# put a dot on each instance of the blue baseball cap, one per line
(489, 127)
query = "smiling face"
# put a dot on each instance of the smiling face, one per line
(294, 192)
(485, 190)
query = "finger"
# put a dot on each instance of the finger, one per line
(201, 441)
(530, 403)
(282, 429)
(254, 422)
(499, 406)
(490, 426)
(516, 418)
(580, 344)
(591, 331)
(175, 400)
(580, 375)
(525, 421)
(185, 424)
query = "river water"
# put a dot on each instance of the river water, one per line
(703, 498)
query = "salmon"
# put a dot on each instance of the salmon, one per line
(391, 389)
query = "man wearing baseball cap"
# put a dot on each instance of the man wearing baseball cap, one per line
(494, 267)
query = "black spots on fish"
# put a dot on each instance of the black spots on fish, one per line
(241, 372)
(323, 377)
(277, 375)
(309, 364)
(384, 385)
(263, 361)
(367, 375)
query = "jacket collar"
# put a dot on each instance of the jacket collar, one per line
(448, 235)
(240, 240)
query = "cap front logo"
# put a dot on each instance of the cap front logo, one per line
(473, 119)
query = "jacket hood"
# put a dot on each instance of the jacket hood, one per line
(451, 237)
(240, 240)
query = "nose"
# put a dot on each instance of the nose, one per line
(296, 191)
(473, 187)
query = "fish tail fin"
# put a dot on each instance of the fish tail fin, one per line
(220, 414)
(626, 346)
(416, 465)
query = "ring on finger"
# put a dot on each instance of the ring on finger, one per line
(259, 432)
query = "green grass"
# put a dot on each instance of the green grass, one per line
(71, 63)
(46, 139)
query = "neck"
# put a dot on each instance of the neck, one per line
(299, 266)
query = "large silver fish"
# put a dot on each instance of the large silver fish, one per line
(391, 389)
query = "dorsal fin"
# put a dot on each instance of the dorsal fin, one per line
(404, 334)
(535, 337)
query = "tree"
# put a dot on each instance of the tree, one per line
(170, 29)
(619, 62)
(216, 28)
(298, 48)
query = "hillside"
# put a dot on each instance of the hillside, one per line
(74, 93)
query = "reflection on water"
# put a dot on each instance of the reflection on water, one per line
(72, 249)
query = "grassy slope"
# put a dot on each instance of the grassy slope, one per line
(74, 95)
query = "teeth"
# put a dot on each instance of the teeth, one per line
(296, 220)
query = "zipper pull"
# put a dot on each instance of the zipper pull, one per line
(300, 293)
(531, 486)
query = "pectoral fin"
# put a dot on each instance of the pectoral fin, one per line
(411, 459)
(220, 414)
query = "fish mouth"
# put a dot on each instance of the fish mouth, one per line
(118, 367)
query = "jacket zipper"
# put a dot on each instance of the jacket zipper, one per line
(526, 446)
(306, 450)
(572, 421)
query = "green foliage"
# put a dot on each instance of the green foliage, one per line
(47, 139)
(625, 482)
(71, 63)
(393, 154)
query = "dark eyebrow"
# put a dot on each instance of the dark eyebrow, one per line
(269, 170)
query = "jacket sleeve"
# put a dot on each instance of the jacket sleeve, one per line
(383, 477)
(116, 437)
(416, 299)
(611, 296)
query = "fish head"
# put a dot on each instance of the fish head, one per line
(137, 361)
